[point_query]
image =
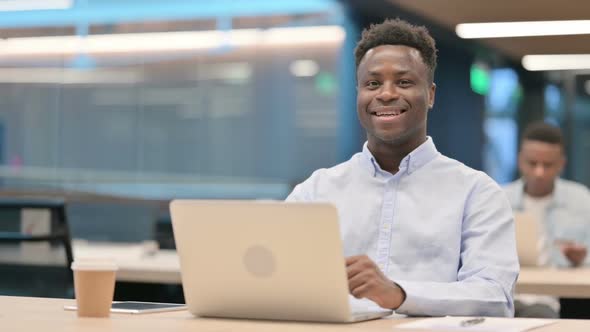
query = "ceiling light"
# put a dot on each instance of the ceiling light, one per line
(538, 62)
(304, 35)
(522, 29)
(67, 76)
(169, 41)
(23, 5)
(125, 43)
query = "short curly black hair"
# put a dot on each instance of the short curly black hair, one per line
(398, 32)
(543, 132)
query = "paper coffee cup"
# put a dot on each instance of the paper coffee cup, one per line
(94, 284)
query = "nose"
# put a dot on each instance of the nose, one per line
(387, 92)
(539, 171)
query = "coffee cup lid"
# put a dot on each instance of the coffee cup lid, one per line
(94, 264)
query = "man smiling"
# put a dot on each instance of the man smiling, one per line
(423, 233)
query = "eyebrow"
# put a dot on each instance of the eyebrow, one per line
(373, 73)
(377, 73)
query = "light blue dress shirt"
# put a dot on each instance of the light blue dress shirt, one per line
(441, 230)
(567, 217)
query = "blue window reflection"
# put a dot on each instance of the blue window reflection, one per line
(500, 127)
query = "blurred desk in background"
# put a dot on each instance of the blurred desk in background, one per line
(137, 262)
(569, 283)
(145, 263)
(145, 273)
(140, 263)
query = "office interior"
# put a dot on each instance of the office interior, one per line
(110, 109)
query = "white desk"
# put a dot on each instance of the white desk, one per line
(37, 314)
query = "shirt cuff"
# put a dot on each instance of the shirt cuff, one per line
(411, 304)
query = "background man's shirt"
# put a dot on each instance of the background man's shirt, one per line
(566, 216)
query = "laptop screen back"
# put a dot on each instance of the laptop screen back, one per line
(527, 238)
(269, 260)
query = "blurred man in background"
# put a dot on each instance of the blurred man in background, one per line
(560, 207)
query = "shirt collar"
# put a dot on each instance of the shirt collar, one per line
(419, 157)
(557, 199)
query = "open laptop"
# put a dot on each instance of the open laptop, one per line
(264, 260)
(527, 238)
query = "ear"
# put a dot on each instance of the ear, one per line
(520, 163)
(562, 163)
(431, 94)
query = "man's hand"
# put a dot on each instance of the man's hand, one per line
(365, 280)
(575, 253)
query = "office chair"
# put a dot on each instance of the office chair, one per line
(163, 232)
(39, 278)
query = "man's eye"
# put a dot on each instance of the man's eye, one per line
(373, 84)
(405, 83)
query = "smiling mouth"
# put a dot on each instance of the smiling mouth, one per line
(388, 112)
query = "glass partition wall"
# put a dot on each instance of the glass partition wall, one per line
(240, 108)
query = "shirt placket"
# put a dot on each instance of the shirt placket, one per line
(385, 226)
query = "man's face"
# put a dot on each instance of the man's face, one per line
(394, 94)
(540, 164)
